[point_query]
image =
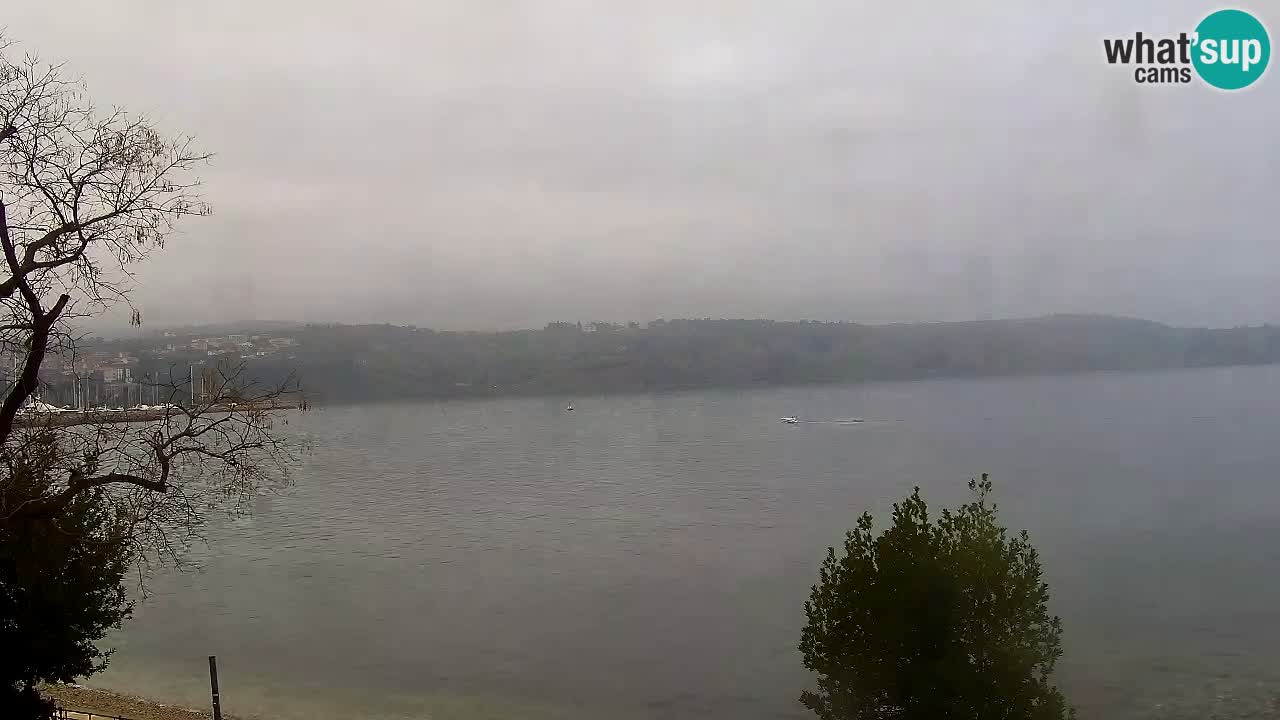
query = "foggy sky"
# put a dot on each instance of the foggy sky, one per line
(502, 164)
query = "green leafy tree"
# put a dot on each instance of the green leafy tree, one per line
(60, 584)
(933, 620)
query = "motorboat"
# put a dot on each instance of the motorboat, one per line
(569, 407)
(792, 420)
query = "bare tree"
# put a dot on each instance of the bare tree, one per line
(84, 196)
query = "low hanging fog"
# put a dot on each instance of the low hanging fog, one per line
(490, 165)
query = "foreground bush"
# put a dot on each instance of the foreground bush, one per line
(932, 620)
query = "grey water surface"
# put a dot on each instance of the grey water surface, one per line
(649, 556)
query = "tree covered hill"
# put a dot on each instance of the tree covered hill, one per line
(344, 363)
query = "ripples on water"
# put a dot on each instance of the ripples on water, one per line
(648, 556)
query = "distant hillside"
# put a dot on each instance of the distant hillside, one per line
(385, 362)
(147, 331)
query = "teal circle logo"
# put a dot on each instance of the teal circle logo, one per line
(1231, 49)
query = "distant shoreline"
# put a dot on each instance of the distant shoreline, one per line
(351, 364)
(94, 417)
(322, 402)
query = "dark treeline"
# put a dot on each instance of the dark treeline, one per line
(346, 363)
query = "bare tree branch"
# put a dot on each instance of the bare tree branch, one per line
(83, 197)
(50, 506)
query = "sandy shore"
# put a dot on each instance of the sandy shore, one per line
(75, 697)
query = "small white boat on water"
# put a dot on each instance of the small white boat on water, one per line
(569, 407)
(791, 420)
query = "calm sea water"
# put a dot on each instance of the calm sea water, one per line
(649, 556)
